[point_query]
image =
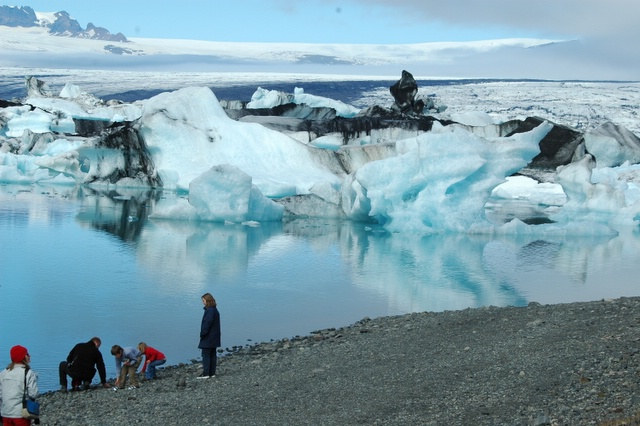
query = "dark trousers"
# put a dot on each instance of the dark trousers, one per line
(209, 360)
(76, 379)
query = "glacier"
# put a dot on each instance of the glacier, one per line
(448, 177)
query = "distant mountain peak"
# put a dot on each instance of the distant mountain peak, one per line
(58, 24)
(13, 16)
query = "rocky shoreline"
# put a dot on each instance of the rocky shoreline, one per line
(568, 364)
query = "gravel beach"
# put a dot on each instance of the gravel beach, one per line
(568, 364)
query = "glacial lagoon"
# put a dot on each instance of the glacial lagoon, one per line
(75, 263)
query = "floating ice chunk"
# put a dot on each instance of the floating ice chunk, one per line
(225, 193)
(70, 91)
(342, 109)
(626, 177)
(187, 132)
(330, 142)
(60, 146)
(612, 145)
(473, 118)
(609, 200)
(438, 181)
(525, 188)
(22, 118)
(263, 98)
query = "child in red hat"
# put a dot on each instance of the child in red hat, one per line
(12, 387)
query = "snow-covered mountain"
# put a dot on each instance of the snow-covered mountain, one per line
(37, 47)
(56, 23)
(33, 39)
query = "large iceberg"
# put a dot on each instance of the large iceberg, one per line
(420, 174)
(263, 98)
(187, 132)
(447, 175)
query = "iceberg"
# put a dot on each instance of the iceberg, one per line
(408, 173)
(225, 193)
(263, 98)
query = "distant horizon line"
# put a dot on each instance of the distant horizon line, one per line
(322, 77)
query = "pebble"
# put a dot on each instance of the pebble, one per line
(566, 364)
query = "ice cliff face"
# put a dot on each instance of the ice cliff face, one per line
(405, 170)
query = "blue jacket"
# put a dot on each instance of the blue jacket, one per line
(130, 355)
(210, 329)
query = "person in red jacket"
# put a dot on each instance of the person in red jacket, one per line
(152, 359)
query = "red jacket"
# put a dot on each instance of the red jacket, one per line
(150, 355)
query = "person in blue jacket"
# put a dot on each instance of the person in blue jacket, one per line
(209, 336)
(127, 361)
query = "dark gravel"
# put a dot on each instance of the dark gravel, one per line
(570, 364)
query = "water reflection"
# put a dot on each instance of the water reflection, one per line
(78, 262)
(433, 272)
(121, 213)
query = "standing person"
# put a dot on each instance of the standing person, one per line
(81, 365)
(209, 336)
(12, 387)
(152, 359)
(127, 361)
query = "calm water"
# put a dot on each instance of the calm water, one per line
(76, 263)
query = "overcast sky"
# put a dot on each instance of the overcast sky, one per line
(608, 31)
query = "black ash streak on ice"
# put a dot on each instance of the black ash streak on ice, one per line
(410, 111)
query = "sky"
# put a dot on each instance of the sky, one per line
(605, 31)
(351, 21)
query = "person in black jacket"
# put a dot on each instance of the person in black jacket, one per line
(209, 336)
(81, 365)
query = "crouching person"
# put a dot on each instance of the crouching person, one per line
(81, 365)
(152, 359)
(127, 361)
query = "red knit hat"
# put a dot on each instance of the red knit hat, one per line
(18, 353)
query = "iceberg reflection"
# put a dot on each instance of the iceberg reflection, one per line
(102, 258)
